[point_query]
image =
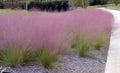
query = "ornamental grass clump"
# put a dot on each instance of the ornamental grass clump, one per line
(82, 46)
(13, 56)
(100, 42)
(16, 56)
(45, 58)
(35, 29)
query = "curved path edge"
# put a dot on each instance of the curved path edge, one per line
(113, 58)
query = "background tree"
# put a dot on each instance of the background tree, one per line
(116, 2)
(81, 3)
(99, 2)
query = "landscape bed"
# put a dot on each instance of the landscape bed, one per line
(77, 41)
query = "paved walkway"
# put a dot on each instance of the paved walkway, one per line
(113, 60)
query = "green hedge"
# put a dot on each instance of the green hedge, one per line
(1, 5)
(50, 6)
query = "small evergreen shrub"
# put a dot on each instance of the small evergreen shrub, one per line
(98, 2)
(1, 5)
(22, 5)
(50, 6)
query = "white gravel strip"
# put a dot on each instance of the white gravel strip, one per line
(113, 60)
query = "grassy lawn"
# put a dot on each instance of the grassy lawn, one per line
(109, 6)
(112, 6)
(10, 11)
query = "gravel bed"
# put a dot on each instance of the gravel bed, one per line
(69, 63)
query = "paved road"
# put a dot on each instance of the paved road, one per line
(113, 60)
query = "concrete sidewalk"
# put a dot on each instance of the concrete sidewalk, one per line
(113, 60)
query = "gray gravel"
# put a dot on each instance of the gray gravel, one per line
(69, 63)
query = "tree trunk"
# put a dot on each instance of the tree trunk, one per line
(26, 6)
(12, 4)
(83, 6)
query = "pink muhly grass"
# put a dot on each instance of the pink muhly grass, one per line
(52, 30)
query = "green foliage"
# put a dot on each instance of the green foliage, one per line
(50, 5)
(1, 5)
(116, 2)
(45, 58)
(13, 56)
(102, 2)
(82, 46)
(100, 42)
(81, 3)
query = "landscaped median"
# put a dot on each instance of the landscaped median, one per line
(73, 41)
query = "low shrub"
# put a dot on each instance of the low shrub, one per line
(45, 58)
(13, 56)
(82, 45)
(98, 2)
(1, 5)
(50, 6)
(22, 5)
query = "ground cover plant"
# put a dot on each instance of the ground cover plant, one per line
(53, 31)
